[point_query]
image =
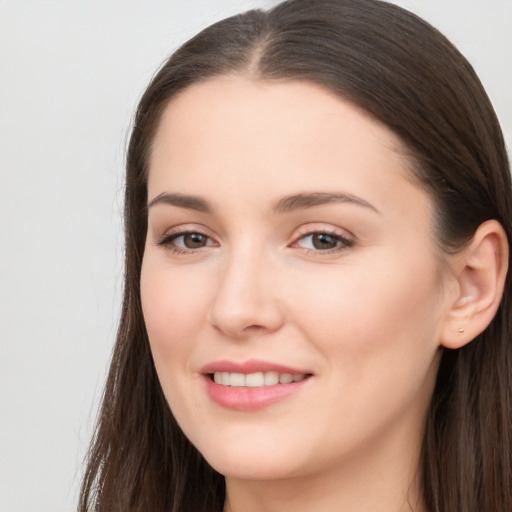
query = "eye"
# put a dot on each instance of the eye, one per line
(186, 241)
(191, 240)
(323, 242)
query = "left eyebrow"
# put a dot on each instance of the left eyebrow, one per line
(311, 199)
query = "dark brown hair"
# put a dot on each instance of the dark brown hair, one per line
(404, 73)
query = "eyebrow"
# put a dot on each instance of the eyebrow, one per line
(182, 201)
(311, 199)
(286, 204)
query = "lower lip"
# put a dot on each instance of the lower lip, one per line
(251, 399)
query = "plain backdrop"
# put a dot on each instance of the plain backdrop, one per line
(71, 73)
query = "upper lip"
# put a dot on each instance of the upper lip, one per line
(251, 366)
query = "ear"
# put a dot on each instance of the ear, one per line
(480, 271)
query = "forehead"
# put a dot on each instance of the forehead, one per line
(245, 134)
(254, 108)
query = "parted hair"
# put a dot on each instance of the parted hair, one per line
(406, 74)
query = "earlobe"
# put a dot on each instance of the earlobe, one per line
(481, 272)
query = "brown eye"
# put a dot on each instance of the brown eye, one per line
(186, 241)
(193, 240)
(324, 241)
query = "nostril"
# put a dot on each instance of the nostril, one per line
(254, 328)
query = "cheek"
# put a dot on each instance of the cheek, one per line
(365, 310)
(172, 303)
(377, 332)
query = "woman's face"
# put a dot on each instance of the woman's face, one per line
(286, 241)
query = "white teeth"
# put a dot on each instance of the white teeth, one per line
(255, 380)
(271, 378)
(237, 380)
(285, 378)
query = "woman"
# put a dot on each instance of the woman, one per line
(316, 309)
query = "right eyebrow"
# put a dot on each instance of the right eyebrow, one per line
(182, 201)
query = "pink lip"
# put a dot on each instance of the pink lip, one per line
(245, 398)
(251, 366)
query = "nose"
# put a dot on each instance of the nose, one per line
(246, 302)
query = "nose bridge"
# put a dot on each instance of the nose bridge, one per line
(246, 296)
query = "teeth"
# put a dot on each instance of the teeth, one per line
(237, 380)
(255, 380)
(285, 378)
(271, 378)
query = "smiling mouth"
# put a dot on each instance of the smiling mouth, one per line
(257, 379)
(252, 385)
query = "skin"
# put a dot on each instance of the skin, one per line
(364, 318)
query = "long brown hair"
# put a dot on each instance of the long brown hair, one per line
(406, 74)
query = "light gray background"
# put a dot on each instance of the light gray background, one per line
(70, 76)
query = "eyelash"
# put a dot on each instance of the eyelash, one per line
(343, 242)
(168, 239)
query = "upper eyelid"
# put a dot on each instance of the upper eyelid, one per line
(320, 227)
(181, 229)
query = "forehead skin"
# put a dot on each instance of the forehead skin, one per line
(239, 111)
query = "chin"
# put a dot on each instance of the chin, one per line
(260, 468)
(264, 459)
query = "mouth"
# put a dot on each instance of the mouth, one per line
(252, 385)
(257, 379)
